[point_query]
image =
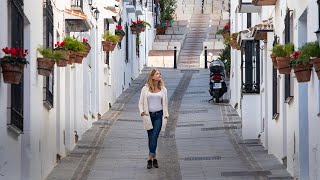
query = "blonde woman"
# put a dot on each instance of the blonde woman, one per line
(153, 106)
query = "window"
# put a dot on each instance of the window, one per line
(17, 26)
(107, 27)
(127, 43)
(288, 39)
(250, 67)
(275, 111)
(120, 24)
(49, 81)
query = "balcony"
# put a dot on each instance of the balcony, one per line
(264, 2)
(76, 21)
(77, 5)
(245, 6)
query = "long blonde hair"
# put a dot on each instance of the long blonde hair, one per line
(150, 81)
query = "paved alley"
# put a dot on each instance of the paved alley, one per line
(202, 140)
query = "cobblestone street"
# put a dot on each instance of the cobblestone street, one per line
(202, 140)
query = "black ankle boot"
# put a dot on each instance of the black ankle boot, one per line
(149, 166)
(155, 163)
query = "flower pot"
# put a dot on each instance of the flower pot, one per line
(108, 45)
(303, 72)
(45, 66)
(120, 38)
(232, 43)
(316, 65)
(62, 62)
(161, 30)
(88, 48)
(136, 30)
(274, 60)
(226, 34)
(73, 57)
(283, 65)
(12, 73)
(66, 54)
(79, 57)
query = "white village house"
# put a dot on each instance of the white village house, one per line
(43, 117)
(282, 112)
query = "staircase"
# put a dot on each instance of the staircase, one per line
(194, 27)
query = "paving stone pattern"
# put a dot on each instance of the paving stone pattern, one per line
(204, 144)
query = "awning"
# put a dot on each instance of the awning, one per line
(76, 21)
(257, 32)
(261, 30)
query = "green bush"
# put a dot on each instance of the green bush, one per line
(50, 54)
(167, 8)
(311, 49)
(74, 45)
(108, 36)
(280, 50)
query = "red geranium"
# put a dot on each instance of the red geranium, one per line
(14, 55)
(295, 55)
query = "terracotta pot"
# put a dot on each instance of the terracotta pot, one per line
(66, 54)
(45, 66)
(79, 57)
(233, 43)
(161, 30)
(73, 57)
(108, 45)
(303, 72)
(88, 48)
(62, 62)
(316, 65)
(283, 65)
(120, 38)
(226, 34)
(12, 73)
(137, 30)
(274, 60)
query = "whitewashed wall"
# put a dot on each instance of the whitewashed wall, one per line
(32, 155)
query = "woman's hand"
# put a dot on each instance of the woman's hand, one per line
(142, 114)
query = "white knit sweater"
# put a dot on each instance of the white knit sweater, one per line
(143, 107)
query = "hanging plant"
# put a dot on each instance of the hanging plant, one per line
(139, 26)
(110, 41)
(119, 32)
(12, 64)
(47, 61)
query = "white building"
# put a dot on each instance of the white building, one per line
(273, 106)
(42, 119)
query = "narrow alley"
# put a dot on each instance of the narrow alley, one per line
(202, 140)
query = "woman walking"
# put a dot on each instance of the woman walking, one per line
(153, 106)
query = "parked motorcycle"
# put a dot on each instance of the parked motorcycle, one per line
(217, 84)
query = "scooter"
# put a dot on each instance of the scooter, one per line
(217, 84)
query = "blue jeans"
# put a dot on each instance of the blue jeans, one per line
(153, 134)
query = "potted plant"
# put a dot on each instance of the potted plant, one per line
(282, 53)
(312, 49)
(77, 49)
(139, 26)
(110, 41)
(225, 31)
(301, 66)
(61, 48)
(233, 40)
(167, 10)
(12, 64)
(87, 46)
(47, 61)
(161, 29)
(119, 32)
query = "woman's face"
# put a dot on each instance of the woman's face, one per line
(156, 76)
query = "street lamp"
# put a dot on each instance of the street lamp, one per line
(90, 2)
(318, 32)
(96, 14)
